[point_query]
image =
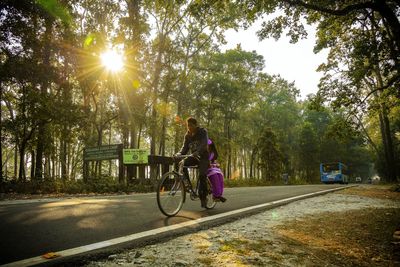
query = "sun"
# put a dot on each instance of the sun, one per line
(112, 60)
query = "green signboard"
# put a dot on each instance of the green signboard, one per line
(106, 152)
(135, 156)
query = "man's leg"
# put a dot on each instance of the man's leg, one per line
(203, 166)
(190, 161)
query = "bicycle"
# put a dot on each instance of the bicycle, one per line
(172, 188)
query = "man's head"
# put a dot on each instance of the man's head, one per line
(191, 124)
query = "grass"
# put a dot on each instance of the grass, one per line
(207, 261)
(385, 191)
(348, 238)
(239, 246)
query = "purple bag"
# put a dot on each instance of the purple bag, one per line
(217, 180)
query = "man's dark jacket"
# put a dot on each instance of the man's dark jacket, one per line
(197, 144)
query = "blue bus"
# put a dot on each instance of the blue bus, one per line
(335, 172)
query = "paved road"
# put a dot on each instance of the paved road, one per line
(33, 228)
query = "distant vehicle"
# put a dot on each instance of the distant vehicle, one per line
(358, 180)
(335, 172)
(376, 179)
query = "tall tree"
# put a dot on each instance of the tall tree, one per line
(356, 29)
(231, 83)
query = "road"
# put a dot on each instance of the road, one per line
(33, 228)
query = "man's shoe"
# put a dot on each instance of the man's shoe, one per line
(216, 199)
(203, 203)
(219, 199)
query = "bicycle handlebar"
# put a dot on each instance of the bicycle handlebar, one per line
(181, 159)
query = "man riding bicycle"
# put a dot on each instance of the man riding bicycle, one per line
(195, 140)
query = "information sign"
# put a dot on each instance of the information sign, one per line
(135, 156)
(106, 152)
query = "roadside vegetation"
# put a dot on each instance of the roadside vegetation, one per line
(103, 185)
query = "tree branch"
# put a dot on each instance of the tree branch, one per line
(336, 12)
(360, 123)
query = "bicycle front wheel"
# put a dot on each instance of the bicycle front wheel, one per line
(170, 194)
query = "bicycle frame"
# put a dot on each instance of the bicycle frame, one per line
(187, 181)
(174, 185)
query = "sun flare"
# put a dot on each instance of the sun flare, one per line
(112, 60)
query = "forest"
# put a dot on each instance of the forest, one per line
(58, 97)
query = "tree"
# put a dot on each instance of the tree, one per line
(362, 35)
(57, 98)
(271, 158)
(229, 85)
(308, 149)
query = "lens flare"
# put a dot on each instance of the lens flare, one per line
(112, 60)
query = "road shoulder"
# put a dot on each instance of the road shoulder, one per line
(350, 227)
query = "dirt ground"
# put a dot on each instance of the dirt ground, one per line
(351, 238)
(365, 238)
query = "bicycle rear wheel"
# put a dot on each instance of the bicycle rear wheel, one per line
(170, 194)
(210, 204)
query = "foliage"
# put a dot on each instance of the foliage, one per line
(104, 184)
(362, 70)
(57, 98)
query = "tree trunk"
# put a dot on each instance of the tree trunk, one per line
(252, 156)
(32, 164)
(51, 167)
(139, 135)
(386, 134)
(178, 123)
(71, 153)
(21, 175)
(131, 169)
(39, 153)
(16, 160)
(387, 145)
(1, 134)
(154, 115)
(228, 149)
(99, 143)
(134, 18)
(63, 154)
(163, 136)
(164, 125)
(125, 142)
(44, 87)
(245, 163)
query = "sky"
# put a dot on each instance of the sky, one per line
(293, 62)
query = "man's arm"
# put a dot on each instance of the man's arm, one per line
(185, 147)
